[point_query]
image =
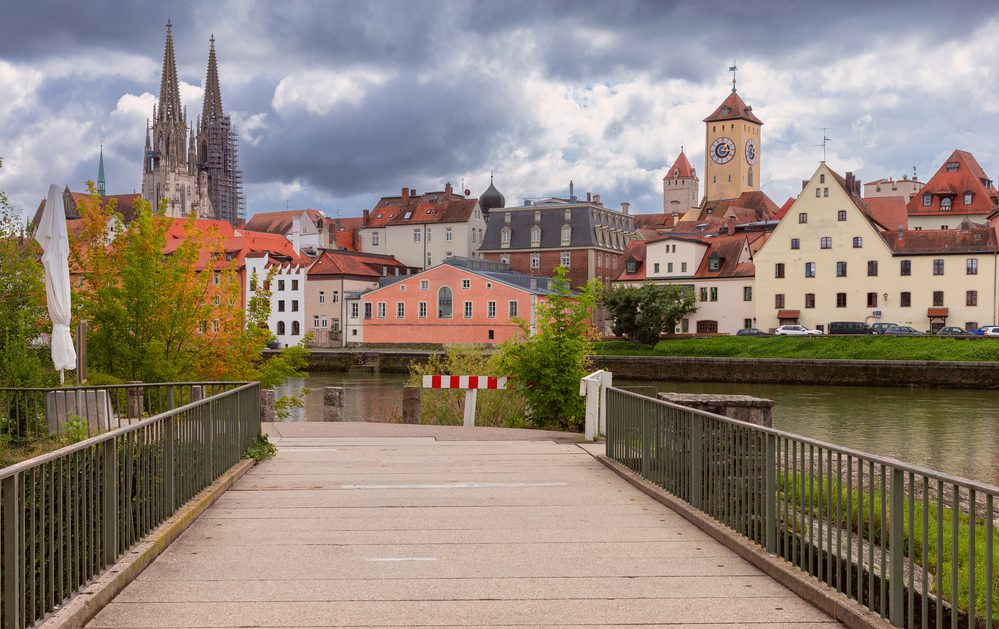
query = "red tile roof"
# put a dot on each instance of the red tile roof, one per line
(681, 168)
(937, 312)
(176, 228)
(280, 222)
(727, 248)
(733, 108)
(343, 232)
(634, 251)
(755, 200)
(969, 177)
(888, 211)
(779, 214)
(356, 264)
(969, 238)
(125, 206)
(788, 314)
(430, 207)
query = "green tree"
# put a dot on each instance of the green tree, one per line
(23, 316)
(546, 366)
(646, 312)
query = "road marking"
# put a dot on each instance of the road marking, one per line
(455, 486)
(304, 449)
(401, 559)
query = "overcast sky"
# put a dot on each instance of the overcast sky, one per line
(339, 103)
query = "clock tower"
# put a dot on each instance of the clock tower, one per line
(732, 150)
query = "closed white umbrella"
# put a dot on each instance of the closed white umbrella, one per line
(51, 235)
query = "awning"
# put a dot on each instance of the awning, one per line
(788, 314)
(937, 313)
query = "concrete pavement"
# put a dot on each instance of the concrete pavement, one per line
(375, 526)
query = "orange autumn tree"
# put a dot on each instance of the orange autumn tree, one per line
(162, 308)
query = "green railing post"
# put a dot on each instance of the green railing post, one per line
(13, 576)
(170, 466)
(646, 454)
(696, 466)
(897, 545)
(110, 490)
(770, 492)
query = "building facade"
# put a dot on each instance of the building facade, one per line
(287, 300)
(733, 156)
(424, 230)
(461, 301)
(830, 260)
(680, 187)
(959, 190)
(304, 229)
(890, 187)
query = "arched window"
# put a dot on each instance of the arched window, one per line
(535, 234)
(945, 204)
(280, 328)
(444, 303)
(295, 328)
(749, 177)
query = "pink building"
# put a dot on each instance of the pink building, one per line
(464, 300)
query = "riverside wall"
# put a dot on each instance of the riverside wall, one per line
(882, 373)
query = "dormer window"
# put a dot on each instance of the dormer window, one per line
(566, 234)
(927, 200)
(676, 172)
(952, 167)
(714, 262)
(506, 217)
(967, 198)
(537, 216)
(632, 266)
(568, 215)
(505, 236)
(535, 235)
(945, 204)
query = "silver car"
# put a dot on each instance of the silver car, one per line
(796, 330)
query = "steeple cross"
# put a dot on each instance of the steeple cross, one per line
(732, 69)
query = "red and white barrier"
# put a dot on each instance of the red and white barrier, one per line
(471, 385)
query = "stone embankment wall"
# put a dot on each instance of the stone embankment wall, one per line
(880, 373)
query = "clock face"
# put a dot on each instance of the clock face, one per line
(751, 151)
(722, 151)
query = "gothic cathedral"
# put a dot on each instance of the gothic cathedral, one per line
(193, 171)
(732, 150)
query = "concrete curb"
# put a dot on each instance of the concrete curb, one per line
(826, 599)
(80, 609)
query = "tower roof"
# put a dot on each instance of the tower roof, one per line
(213, 93)
(100, 168)
(492, 198)
(681, 168)
(169, 105)
(733, 108)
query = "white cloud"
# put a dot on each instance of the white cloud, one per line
(319, 91)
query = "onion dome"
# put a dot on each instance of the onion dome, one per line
(492, 198)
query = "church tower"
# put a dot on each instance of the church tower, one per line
(101, 184)
(169, 169)
(732, 149)
(680, 186)
(218, 150)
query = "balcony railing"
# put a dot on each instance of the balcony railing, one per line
(915, 546)
(68, 515)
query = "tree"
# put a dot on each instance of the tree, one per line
(644, 313)
(546, 366)
(23, 316)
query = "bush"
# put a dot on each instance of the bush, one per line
(446, 406)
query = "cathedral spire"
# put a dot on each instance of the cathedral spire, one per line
(169, 108)
(213, 94)
(100, 174)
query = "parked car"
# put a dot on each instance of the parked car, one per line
(903, 330)
(951, 330)
(751, 332)
(796, 330)
(880, 328)
(986, 330)
(850, 327)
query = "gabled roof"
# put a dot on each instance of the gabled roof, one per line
(431, 207)
(728, 250)
(733, 108)
(968, 177)
(888, 211)
(969, 238)
(281, 222)
(681, 168)
(779, 214)
(756, 200)
(354, 263)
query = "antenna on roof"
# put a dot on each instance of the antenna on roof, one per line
(825, 140)
(914, 172)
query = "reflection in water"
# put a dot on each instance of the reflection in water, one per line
(954, 431)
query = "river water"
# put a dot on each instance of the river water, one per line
(954, 431)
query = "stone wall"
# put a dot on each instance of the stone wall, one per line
(745, 408)
(882, 373)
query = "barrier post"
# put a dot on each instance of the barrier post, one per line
(470, 397)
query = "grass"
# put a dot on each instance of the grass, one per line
(826, 347)
(870, 515)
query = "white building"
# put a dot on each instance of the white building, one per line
(287, 286)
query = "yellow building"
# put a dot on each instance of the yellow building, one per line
(732, 159)
(830, 260)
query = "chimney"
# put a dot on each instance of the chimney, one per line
(900, 231)
(596, 199)
(625, 206)
(364, 217)
(448, 190)
(804, 182)
(731, 226)
(849, 182)
(589, 197)
(405, 197)
(572, 192)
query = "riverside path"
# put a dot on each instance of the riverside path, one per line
(389, 525)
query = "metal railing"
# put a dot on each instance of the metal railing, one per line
(69, 514)
(35, 411)
(918, 547)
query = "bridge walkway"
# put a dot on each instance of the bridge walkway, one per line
(387, 525)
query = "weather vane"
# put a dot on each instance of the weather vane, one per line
(825, 140)
(732, 69)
